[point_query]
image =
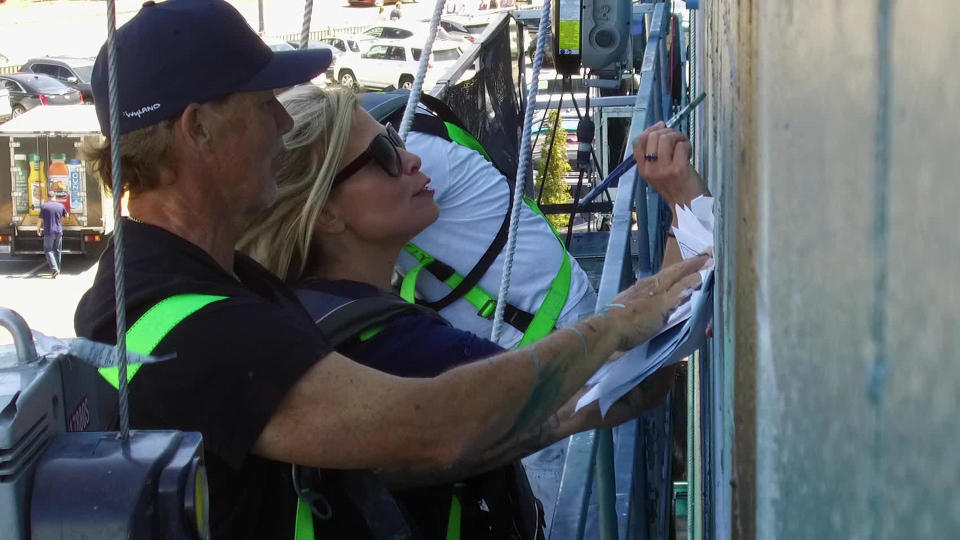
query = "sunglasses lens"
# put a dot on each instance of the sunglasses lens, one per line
(385, 153)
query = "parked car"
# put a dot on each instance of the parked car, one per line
(458, 31)
(321, 44)
(278, 45)
(6, 112)
(393, 63)
(73, 72)
(403, 31)
(28, 91)
(350, 43)
(376, 3)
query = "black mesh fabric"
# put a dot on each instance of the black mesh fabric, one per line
(487, 102)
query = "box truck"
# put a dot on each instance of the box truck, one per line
(29, 144)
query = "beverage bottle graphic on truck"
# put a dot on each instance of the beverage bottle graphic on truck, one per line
(77, 176)
(37, 183)
(58, 177)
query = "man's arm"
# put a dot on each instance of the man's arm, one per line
(344, 415)
(564, 422)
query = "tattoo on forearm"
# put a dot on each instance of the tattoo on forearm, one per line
(506, 451)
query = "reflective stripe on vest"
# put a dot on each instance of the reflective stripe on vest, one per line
(154, 325)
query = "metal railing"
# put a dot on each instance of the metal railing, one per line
(326, 32)
(11, 68)
(632, 476)
(627, 469)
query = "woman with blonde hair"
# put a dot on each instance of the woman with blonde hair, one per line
(350, 196)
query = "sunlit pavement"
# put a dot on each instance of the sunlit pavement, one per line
(47, 304)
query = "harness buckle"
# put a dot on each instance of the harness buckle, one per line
(488, 309)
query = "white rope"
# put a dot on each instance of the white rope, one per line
(415, 90)
(522, 168)
(305, 28)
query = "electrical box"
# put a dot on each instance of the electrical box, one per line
(567, 42)
(605, 33)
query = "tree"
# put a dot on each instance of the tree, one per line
(555, 190)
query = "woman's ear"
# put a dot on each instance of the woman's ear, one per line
(329, 221)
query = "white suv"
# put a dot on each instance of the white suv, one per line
(394, 63)
(5, 108)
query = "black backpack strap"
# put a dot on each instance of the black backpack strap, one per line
(341, 319)
(480, 268)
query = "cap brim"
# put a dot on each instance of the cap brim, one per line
(289, 68)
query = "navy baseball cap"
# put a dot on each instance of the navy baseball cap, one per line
(178, 52)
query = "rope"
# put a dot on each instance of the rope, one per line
(407, 122)
(305, 29)
(119, 280)
(522, 168)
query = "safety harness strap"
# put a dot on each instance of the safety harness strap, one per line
(533, 326)
(303, 526)
(154, 325)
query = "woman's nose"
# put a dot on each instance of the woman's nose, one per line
(410, 161)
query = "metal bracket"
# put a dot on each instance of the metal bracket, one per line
(22, 336)
(603, 83)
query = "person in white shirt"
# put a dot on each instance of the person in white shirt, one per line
(474, 198)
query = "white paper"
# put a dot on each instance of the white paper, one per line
(685, 331)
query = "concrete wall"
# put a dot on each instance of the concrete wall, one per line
(833, 136)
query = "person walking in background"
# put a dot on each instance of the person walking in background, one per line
(396, 13)
(52, 214)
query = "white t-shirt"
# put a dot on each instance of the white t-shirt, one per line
(473, 198)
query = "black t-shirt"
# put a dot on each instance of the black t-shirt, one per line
(235, 360)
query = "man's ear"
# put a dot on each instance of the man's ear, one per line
(329, 221)
(193, 128)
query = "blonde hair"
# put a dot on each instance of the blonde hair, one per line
(280, 237)
(142, 153)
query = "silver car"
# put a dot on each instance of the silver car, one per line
(28, 90)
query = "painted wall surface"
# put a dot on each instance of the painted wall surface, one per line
(834, 134)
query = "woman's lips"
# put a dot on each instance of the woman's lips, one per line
(425, 189)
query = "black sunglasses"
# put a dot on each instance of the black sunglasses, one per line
(382, 150)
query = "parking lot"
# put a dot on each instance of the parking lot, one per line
(77, 27)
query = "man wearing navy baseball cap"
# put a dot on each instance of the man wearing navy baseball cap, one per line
(199, 145)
